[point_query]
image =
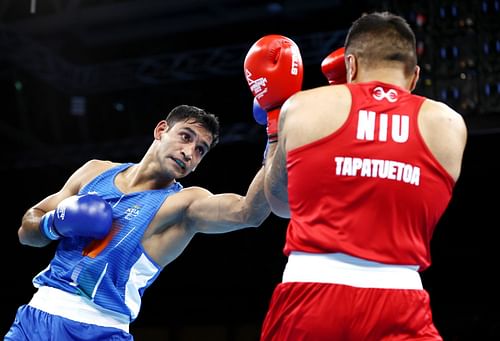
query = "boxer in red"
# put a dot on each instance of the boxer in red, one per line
(364, 171)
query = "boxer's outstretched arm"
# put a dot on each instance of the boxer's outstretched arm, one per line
(219, 213)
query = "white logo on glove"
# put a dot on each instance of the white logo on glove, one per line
(295, 60)
(258, 86)
(379, 94)
(61, 212)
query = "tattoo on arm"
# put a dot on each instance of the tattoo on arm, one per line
(278, 175)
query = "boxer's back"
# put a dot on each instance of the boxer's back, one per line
(362, 177)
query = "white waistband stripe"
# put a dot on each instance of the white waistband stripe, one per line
(340, 268)
(77, 308)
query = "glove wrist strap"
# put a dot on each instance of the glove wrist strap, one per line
(47, 227)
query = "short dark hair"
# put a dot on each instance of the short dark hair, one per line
(190, 113)
(380, 38)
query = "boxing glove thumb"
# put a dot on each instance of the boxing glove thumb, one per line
(259, 114)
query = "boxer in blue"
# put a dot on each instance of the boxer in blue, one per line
(118, 225)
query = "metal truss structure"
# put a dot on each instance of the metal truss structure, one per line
(41, 62)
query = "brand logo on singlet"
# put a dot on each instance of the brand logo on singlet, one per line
(132, 212)
(379, 94)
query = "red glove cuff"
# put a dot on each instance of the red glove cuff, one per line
(272, 125)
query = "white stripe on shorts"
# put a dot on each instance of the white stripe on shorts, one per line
(340, 268)
(77, 308)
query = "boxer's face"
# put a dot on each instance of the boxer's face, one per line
(184, 145)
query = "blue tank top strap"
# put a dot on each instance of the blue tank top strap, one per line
(108, 176)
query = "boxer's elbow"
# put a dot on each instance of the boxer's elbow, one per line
(31, 238)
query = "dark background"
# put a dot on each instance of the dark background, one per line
(82, 79)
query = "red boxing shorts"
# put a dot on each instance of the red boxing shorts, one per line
(317, 308)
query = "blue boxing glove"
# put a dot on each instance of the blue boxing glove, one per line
(259, 114)
(85, 215)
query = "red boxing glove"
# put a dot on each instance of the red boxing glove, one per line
(274, 71)
(333, 67)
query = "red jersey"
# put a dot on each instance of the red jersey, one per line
(372, 189)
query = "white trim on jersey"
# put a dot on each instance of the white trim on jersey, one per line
(140, 274)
